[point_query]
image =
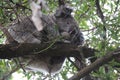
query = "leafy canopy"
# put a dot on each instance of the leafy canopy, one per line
(101, 32)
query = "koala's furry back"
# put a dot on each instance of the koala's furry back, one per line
(25, 31)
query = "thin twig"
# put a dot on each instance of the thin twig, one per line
(73, 63)
(85, 12)
(101, 16)
(19, 5)
(117, 3)
(89, 29)
(99, 11)
(6, 7)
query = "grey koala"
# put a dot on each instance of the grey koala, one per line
(25, 32)
(67, 25)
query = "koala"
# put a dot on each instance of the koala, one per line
(67, 25)
(27, 31)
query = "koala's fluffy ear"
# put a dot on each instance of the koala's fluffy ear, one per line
(61, 2)
(63, 10)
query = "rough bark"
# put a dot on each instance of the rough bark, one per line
(58, 49)
(99, 62)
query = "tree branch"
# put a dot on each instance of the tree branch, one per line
(101, 16)
(58, 49)
(99, 11)
(95, 65)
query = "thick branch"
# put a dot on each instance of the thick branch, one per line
(99, 62)
(58, 49)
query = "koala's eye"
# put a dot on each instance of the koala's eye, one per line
(68, 23)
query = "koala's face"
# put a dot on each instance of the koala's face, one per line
(69, 29)
(66, 24)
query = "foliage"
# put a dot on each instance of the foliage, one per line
(101, 35)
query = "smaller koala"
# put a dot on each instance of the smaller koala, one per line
(67, 25)
(23, 33)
